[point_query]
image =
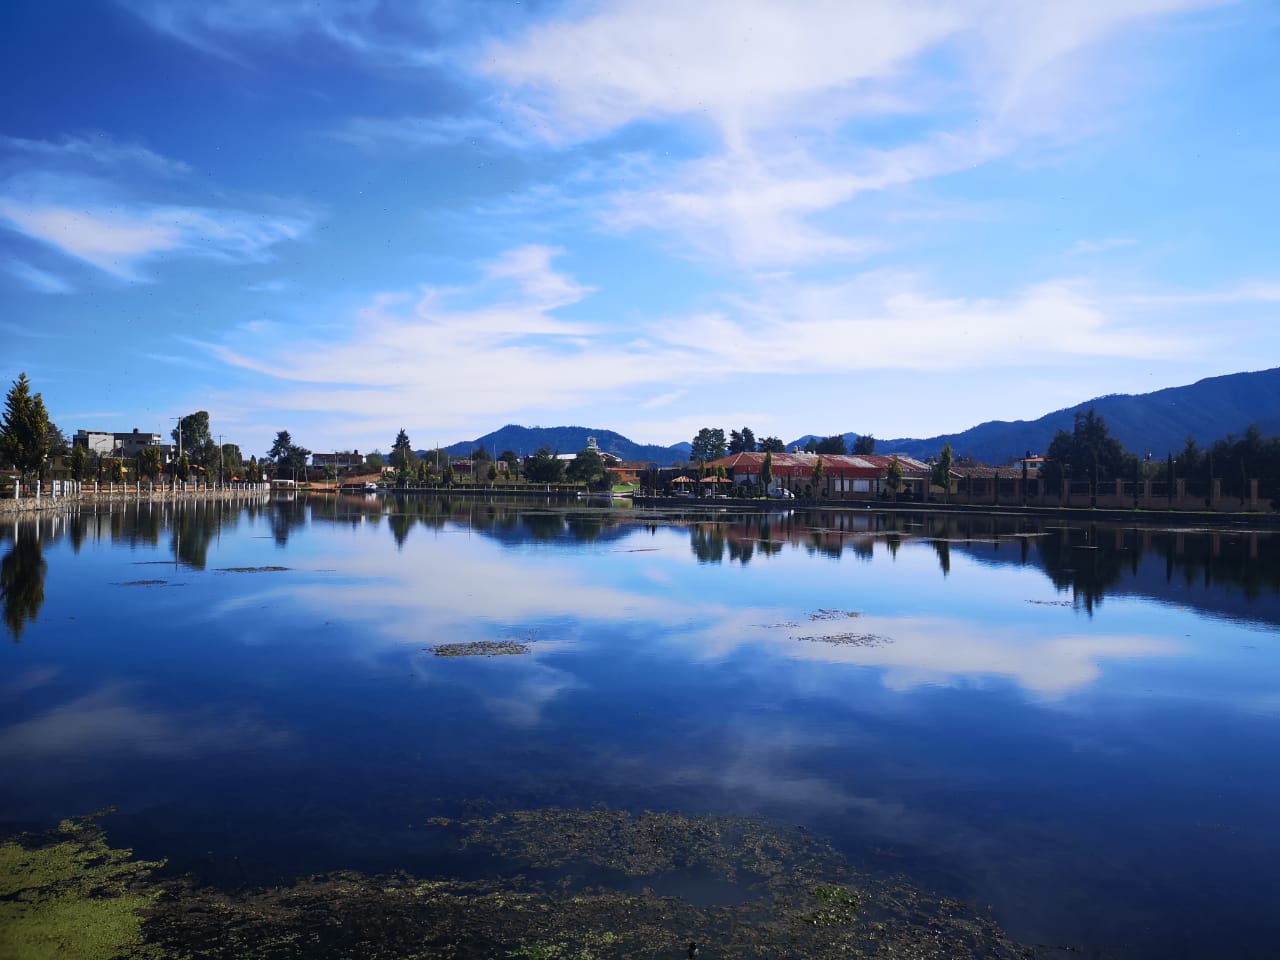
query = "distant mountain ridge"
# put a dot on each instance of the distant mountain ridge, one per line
(1156, 423)
(527, 440)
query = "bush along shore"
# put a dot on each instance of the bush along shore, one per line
(68, 494)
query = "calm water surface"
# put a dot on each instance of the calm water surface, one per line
(1075, 724)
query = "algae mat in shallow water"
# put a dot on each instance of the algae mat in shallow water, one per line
(795, 896)
(67, 895)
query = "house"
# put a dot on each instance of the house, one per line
(844, 477)
(115, 444)
(339, 461)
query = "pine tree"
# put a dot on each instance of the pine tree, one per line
(24, 431)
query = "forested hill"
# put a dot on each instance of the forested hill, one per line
(1157, 422)
(525, 440)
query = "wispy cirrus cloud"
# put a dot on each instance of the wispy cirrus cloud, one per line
(36, 279)
(87, 198)
(778, 87)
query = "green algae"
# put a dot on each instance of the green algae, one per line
(67, 895)
(783, 891)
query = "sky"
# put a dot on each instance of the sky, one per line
(897, 217)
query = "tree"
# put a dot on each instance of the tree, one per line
(743, 441)
(587, 468)
(1190, 458)
(479, 454)
(513, 463)
(866, 443)
(375, 461)
(1088, 452)
(58, 444)
(893, 475)
(295, 460)
(942, 468)
(149, 463)
(544, 467)
(709, 444)
(184, 466)
(280, 449)
(833, 445)
(818, 472)
(232, 460)
(192, 436)
(78, 460)
(402, 456)
(772, 445)
(766, 471)
(24, 431)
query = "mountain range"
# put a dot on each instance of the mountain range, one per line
(1154, 423)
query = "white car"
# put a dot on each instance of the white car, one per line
(781, 493)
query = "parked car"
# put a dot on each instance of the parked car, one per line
(781, 493)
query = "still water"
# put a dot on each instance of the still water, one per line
(1075, 725)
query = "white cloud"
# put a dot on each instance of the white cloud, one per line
(737, 65)
(119, 240)
(89, 199)
(778, 84)
(512, 357)
(371, 30)
(39, 280)
(95, 151)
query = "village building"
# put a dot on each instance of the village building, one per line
(843, 477)
(340, 460)
(110, 444)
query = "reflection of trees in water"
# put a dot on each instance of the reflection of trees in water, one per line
(707, 541)
(284, 517)
(400, 524)
(1091, 560)
(585, 528)
(22, 580)
(943, 549)
(193, 526)
(1076, 561)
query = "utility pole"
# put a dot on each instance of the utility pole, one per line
(178, 463)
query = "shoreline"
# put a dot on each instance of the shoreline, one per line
(11, 507)
(30, 506)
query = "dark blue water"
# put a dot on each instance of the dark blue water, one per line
(1077, 724)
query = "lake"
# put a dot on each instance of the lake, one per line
(1070, 727)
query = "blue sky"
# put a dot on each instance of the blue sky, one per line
(901, 217)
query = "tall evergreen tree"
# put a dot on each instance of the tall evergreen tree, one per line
(402, 455)
(24, 431)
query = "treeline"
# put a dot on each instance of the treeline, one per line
(712, 444)
(1089, 453)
